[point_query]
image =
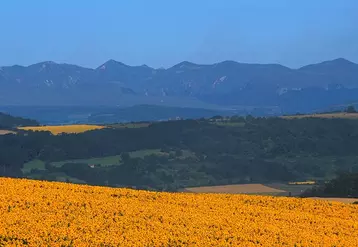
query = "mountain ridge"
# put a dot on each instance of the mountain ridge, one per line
(185, 61)
(225, 83)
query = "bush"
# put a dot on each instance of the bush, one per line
(178, 153)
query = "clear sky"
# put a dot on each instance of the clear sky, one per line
(161, 33)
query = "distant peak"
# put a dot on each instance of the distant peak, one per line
(340, 61)
(144, 66)
(228, 62)
(111, 63)
(185, 65)
(44, 63)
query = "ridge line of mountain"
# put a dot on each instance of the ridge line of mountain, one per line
(183, 63)
(227, 83)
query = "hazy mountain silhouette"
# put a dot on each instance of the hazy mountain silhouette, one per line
(226, 83)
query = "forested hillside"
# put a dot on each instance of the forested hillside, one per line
(177, 154)
(8, 121)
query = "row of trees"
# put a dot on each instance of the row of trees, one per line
(345, 185)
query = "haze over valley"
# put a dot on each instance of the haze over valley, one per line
(227, 87)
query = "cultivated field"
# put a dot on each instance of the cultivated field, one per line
(269, 189)
(325, 115)
(235, 189)
(274, 189)
(110, 160)
(5, 132)
(36, 213)
(64, 128)
(102, 161)
(335, 199)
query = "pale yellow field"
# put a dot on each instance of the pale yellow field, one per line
(4, 132)
(235, 189)
(35, 213)
(303, 183)
(64, 128)
(325, 115)
(337, 199)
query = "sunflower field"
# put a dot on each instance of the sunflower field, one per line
(38, 213)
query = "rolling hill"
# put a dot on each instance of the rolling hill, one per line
(39, 213)
(9, 122)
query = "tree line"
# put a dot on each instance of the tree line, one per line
(232, 150)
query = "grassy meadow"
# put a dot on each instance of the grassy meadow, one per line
(110, 160)
(101, 161)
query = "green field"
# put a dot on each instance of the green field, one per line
(40, 165)
(145, 152)
(109, 160)
(34, 164)
(59, 176)
(230, 124)
(128, 125)
(103, 161)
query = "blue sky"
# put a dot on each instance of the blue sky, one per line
(161, 33)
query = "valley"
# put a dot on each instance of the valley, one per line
(249, 154)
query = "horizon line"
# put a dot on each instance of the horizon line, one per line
(184, 61)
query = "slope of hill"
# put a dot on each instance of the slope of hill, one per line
(9, 122)
(153, 113)
(204, 152)
(225, 83)
(339, 72)
(35, 213)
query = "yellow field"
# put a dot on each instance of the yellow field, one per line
(77, 128)
(36, 213)
(325, 115)
(302, 183)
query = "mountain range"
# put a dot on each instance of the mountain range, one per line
(227, 84)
